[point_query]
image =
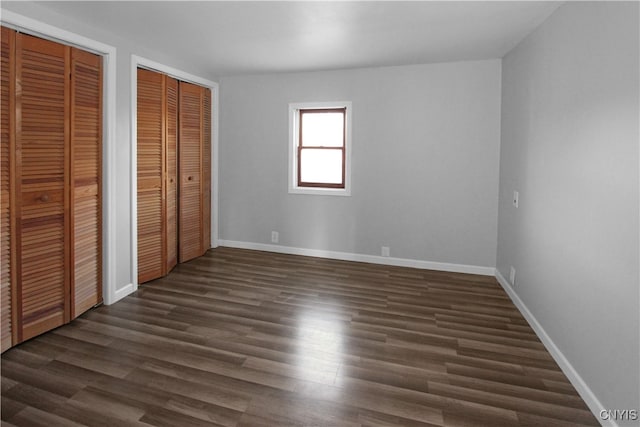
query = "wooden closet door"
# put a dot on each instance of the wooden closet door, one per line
(86, 188)
(151, 169)
(157, 174)
(7, 121)
(42, 242)
(206, 171)
(190, 158)
(171, 179)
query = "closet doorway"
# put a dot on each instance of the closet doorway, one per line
(173, 172)
(51, 186)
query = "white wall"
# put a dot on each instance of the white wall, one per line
(570, 146)
(123, 272)
(424, 162)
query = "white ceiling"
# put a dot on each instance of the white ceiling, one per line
(264, 37)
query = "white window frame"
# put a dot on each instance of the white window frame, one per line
(294, 117)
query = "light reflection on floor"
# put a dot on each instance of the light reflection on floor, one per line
(319, 347)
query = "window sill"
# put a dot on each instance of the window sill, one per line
(320, 191)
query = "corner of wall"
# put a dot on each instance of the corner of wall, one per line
(576, 380)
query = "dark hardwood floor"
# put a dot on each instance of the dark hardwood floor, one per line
(244, 338)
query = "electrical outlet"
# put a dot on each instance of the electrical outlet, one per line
(516, 196)
(386, 251)
(275, 237)
(512, 276)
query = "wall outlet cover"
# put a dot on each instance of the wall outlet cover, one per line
(275, 237)
(512, 276)
(386, 251)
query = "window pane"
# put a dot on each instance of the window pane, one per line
(322, 129)
(321, 166)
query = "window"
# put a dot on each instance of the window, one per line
(319, 152)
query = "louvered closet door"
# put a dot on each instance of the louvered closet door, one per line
(86, 188)
(190, 158)
(42, 229)
(171, 180)
(151, 169)
(206, 171)
(7, 109)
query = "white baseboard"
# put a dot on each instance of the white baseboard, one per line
(346, 256)
(581, 387)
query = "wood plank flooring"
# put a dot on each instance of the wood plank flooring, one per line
(247, 338)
